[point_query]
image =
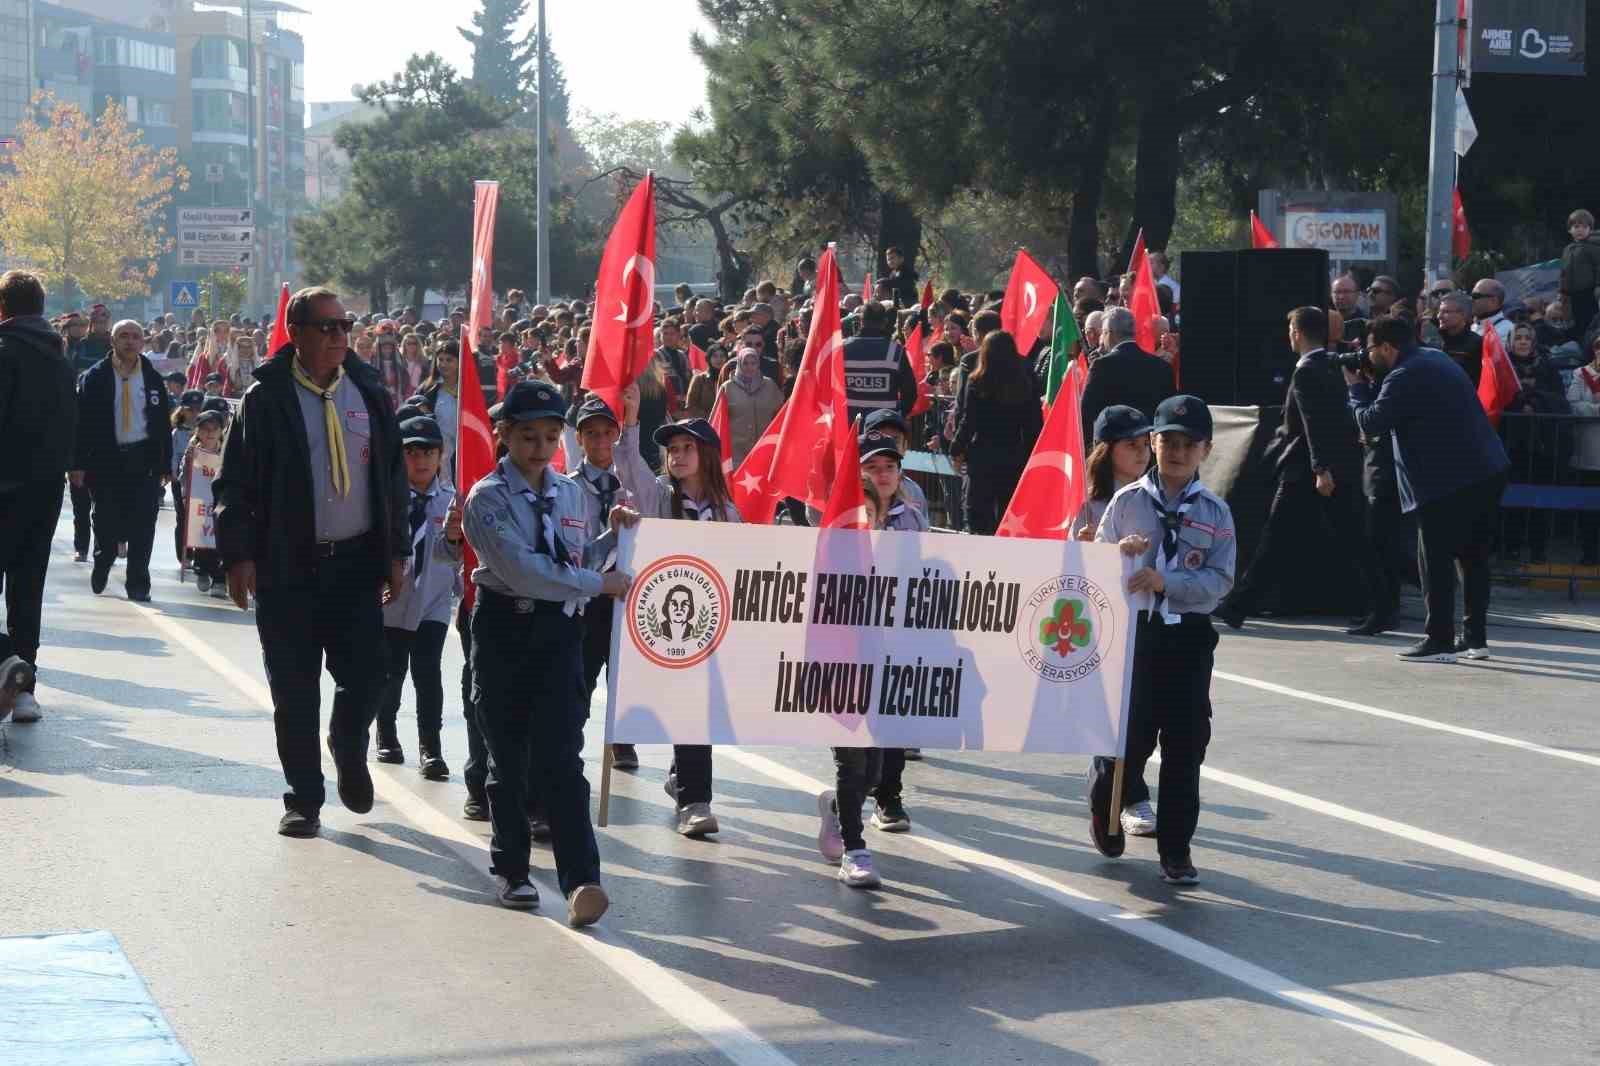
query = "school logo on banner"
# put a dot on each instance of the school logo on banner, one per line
(1066, 628)
(678, 612)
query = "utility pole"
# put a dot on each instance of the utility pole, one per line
(542, 218)
(1442, 160)
(250, 126)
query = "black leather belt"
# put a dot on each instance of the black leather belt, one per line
(334, 549)
(519, 604)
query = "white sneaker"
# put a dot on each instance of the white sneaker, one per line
(830, 841)
(519, 896)
(586, 905)
(696, 820)
(670, 785)
(25, 709)
(855, 869)
(1139, 820)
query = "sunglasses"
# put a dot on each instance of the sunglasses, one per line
(1439, 292)
(329, 326)
(1376, 291)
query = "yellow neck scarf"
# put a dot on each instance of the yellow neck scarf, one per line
(338, 461)
(127, 395)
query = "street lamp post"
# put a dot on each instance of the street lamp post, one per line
(542, 223)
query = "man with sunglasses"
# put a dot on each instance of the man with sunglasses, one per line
(1381, 295)
(311, 520)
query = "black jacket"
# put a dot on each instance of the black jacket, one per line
(97, 427)
(1318, 431)
(1127, 374)
(264, 510)
(38, 411)
(1465, 349)
(994, 432)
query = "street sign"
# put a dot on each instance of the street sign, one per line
(184, 294)
(234, 256)
(214, 173)
(216, 216)
(214, 236)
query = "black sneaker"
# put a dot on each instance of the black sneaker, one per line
(295, 824)
(431, 766)
(139, 596)
(1428, 651)
(624, 757)
(476, 809)
(1231, 616)
(355, 782)
(98, 579)
(891, 817)
(1179, 872)
(1371, 626)
(518, 894)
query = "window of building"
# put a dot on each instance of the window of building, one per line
(220, 111)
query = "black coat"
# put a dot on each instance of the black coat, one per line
(1127, 374)
(38, 408)
(993, 432)
(97, 428)
(264, 510)
(1318, 431)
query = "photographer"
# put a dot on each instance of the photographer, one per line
(1450, 468)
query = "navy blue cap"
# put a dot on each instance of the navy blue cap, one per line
(191, 398)
(176, 376)
(211, 418)
(698, 428)
(879, 444)
(218, 404)
(213, 379)
(1184, 414)
(886, 416)
(409, 410)
(421, 429)
(528, 400)
(593, 407)
(1120, 422)
(416, 399)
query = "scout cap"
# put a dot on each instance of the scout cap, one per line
(423, 430)
(593, 407)
(211, 418)
(175, 378)
(1184, 414)
(698, 428)
(213, 379)
(410, 410)
(885, 417)
(1120, 422)
(192, 398)
(529, 400)
(874, 444)
(217, 404)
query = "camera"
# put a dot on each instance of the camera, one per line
(1357, 362)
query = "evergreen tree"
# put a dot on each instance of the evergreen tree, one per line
(501, 63)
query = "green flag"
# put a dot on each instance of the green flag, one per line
(1063, 344)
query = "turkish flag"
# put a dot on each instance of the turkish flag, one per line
(621, 335)
(1460, 235)
(279, 340)
(1260, 235)
(1026, 306)
(474, 441)
(719, 422)
(847, 503)
(1052, 488)
(1497, 384)
(927, 294)
(915, 351)
(1143, 303)
(698, 363)
(866, 289)
(503, 364)
(796, 455)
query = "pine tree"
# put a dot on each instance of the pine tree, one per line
(506, 67)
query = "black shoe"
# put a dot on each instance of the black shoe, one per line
(1179, 872)
(1429, 651)
(80, 557)
(1371, 626)
(1110, 846)
(355, 783)
(624, 757)
(389, 750)
(539, 828)
(1231, 617)
(142, 596)
(476, 809)
(295, 824)
(891, 816)
(431, 766)
(98, 579)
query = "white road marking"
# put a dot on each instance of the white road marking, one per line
(681, 1003)
(1351, 1017)
(1408, 719)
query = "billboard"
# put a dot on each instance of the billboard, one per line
(1528, 37)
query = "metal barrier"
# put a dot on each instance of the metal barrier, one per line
(936, 475)
(1549, 532)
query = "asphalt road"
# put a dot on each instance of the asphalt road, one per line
(1397, 864)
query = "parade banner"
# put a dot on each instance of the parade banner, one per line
(199, 525)
(800, 637)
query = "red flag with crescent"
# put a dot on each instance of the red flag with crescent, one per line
(1143, 303)
(1460, 235)
(1026, 306)
(280, 325)
(1497, 384)
(847, 503)
(621, 336)
(474, 446)
(724, 431)
(1051, 490)
(698, 363)
(1260, 235)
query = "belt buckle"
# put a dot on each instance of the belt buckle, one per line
(325, 549)
(523, 604)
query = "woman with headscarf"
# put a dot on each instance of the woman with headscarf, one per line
(753, 400)
(238, 367)
(391, 371)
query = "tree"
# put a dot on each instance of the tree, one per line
(83, 201)
(223, 292)
(505, 66)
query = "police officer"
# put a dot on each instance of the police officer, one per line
(537, 568)
(1181, 535)
(124, 456)
(877, 374)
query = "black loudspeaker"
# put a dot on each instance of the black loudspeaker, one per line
(1235, 331)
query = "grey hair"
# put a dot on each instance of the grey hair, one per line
(1117, 324)
(1460, 300)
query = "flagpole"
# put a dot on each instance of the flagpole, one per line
(1441, 163)
(542, 214)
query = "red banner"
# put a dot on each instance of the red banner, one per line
(474, 442)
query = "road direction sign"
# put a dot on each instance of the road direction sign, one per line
(225, 256)
(214, 173)
(216, 216)
(184, 294)
(213, 236)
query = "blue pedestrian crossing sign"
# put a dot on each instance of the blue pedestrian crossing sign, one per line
(184, 294)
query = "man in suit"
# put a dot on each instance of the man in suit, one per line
(1125, 374)
(124, 456)
(1319, 482)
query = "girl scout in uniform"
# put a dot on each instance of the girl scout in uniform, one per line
(693, 488)
(416, 620)
(1182, 536)
(537, 567)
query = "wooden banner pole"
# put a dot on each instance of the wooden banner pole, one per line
(605, 787)
(1115, 828)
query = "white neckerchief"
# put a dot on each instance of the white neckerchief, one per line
(550, 521)
(1171, 522)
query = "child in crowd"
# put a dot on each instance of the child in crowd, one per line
(208, 428)
(416, 618)
(183, 417)
(213, 385)
(536, 568)
(1182, 536)
(692, 488)
(1580, 271)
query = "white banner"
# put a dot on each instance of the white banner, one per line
(199, 527)
(796, 637)
(1342, 234)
